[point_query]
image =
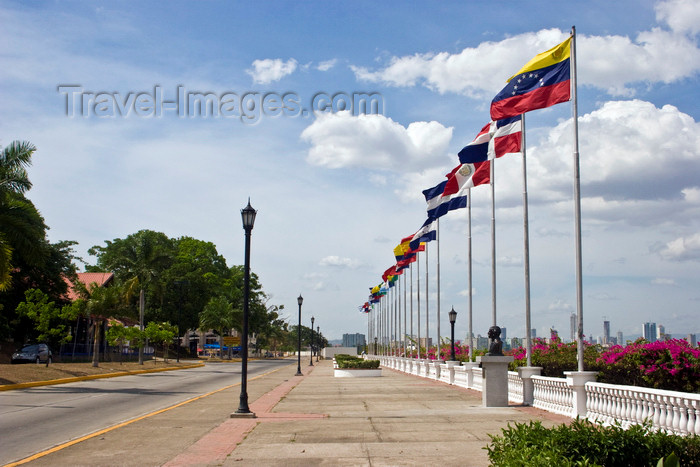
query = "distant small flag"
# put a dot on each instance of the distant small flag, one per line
(495, 139)
(542, 82)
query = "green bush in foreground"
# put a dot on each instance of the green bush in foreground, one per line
(348, 361)
(583, 443)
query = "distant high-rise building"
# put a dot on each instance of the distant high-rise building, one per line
(572, 324)
(482, 342)
(503, 334)
(353, 340)
(606, 332)
(620, 340)
(649, 331)
(533, 333)
(692, 340)
(660, 332)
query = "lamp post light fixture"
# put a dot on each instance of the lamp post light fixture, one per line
(300, 300)
(453, 318)
(318, 332)
(248, 217)
(312, 342)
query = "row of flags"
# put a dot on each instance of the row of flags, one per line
(542, 82)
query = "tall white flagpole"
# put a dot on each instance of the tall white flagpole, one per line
(577, 205)
(427, 305)
(410, 267)
(526, 250)
(437, 246)
(418, 301)
(469, 262)
(405, 316)
(493, 242)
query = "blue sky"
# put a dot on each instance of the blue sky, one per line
(337, 191)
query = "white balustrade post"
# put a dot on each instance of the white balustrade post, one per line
(526, 373)
(577, 380)
(470, 373)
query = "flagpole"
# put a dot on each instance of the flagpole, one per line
(427, 305)
(437, 247)
(577, 205)
(418, 300)
(493, 242)
(526, 250)
(410, 267)
(469, 269)
(404, 315)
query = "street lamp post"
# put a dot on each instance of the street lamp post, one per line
(318, 332)
(312, 342)
(300, 300)
(248, 217)
(453, 318)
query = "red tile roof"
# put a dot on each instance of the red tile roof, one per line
(102, 279)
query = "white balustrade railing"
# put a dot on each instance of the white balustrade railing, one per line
(478, 381)
(553, 395)
(669, 411)
(515, 387)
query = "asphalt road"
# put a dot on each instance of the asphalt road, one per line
(35, 419)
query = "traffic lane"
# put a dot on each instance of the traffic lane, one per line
(35, 419)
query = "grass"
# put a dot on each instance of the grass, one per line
(31, 372)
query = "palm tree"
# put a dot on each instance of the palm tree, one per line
(21, 226)
(218, 315)
(137, 261)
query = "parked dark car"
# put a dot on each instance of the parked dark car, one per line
(34, 353)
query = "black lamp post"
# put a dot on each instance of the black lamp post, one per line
(375, 346)
(318, 332)
(248, 217)
(300, 300)
(453, 318)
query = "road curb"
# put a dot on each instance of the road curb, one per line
(33, 384)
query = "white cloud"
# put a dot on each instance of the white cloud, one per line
(638, 163)
(268, 70)
(663, 281)
(374, 141)
(339, 262)
(682, 249)
(680, 15)
(510, 261)
(559, 305)
(327, 65)
(612, 63)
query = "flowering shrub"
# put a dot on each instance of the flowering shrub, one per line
(556, 357)
(673, 364)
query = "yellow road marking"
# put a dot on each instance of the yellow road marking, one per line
(128, 422)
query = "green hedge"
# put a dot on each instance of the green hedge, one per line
(349, 361)
(583, 443)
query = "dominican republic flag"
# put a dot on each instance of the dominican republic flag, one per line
(496, 139)
(542, 82)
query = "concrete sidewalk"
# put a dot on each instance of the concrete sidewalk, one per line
(316, 419)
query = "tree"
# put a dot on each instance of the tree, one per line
(120, 335)
(137, 261)
(218, 315)
(49, 319)
(14, 182)
(160, 333)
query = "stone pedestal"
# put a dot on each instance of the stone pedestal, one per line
(495, 386)
(577, 380)
(526, 373)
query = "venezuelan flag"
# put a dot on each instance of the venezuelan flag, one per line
(542, 82)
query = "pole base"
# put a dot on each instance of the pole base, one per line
(243, 415)
(299, 373)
